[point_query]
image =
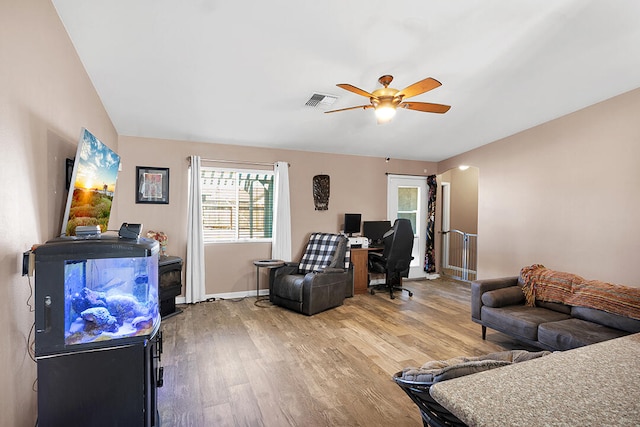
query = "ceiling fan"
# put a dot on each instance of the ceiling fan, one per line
(386, 99)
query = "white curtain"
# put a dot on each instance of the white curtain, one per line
(195, 290)
(281, 238)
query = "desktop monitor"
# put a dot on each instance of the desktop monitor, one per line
(374, 230)
(352, 223)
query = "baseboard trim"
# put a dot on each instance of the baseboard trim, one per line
(226, 295)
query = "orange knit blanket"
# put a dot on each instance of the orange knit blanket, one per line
(540, 283)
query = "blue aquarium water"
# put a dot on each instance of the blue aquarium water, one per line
(110, 298)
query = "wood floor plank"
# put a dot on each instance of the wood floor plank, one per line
(235, 363)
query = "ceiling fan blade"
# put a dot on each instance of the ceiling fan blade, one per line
(352, 88)
(426, 107)
(419, 87)
(364, 107)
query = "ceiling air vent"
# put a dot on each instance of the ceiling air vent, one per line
(319, 100)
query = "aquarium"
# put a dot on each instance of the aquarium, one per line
(110, 298)
(95, 292)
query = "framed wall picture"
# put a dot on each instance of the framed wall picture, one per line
(152, 185)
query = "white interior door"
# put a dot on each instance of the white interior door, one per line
(407, 198)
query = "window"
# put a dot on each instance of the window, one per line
(237, 204)
(408, 204)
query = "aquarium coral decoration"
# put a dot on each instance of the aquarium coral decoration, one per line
(100, 316)
(87, 298)
(124, 307)
(100, 319)
(142, 322)
(161, 238)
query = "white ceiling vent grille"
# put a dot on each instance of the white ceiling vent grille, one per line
(320, 100)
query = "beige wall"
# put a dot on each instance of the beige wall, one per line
(358, 184)
(463, 201)
(564, 194)
(45, 99)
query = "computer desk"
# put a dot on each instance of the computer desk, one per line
(360, 261)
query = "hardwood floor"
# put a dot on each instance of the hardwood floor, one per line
(233, 363)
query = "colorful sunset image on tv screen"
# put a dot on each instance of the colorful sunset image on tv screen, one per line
(93, 183)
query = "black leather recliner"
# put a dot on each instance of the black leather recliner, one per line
(319, 281)
(395, 259)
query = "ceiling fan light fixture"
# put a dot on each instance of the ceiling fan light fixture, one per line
(384, 113)
(386, 99)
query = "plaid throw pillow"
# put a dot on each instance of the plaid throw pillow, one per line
(319, 252)
(347, 255)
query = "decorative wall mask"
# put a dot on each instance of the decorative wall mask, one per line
(321, 192)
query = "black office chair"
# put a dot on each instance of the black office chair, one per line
(395, 259)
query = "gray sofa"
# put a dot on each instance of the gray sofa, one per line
(500, 304)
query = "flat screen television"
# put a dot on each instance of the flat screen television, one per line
(352, 223)
(92, 185)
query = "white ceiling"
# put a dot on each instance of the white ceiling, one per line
(240, 72)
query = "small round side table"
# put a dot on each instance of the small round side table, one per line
(264, 263)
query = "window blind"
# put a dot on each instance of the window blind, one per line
(237, 204)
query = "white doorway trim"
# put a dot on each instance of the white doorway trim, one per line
(446, 221)
(420, 238)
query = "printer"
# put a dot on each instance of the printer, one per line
(358, 242)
